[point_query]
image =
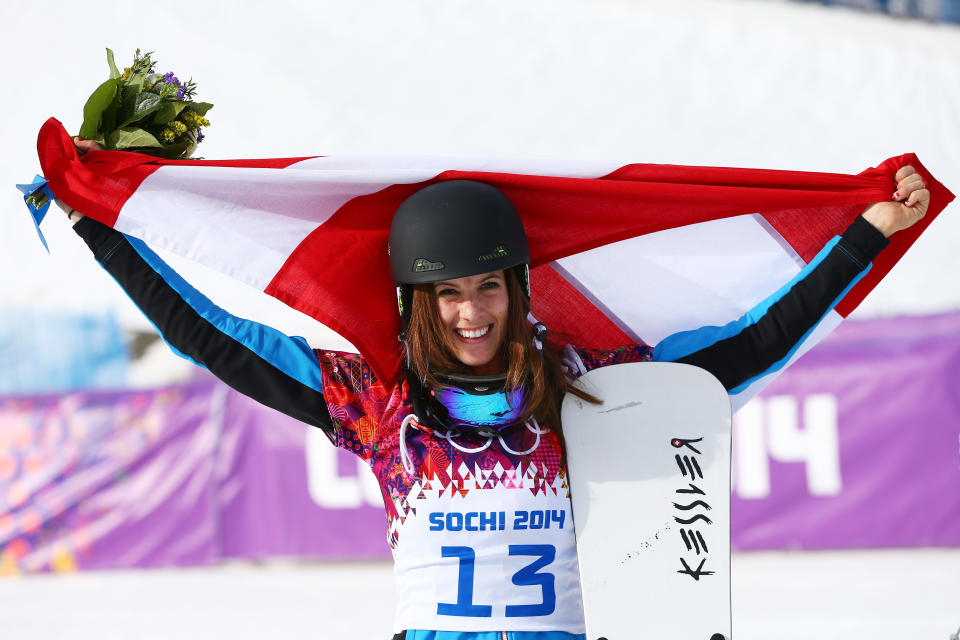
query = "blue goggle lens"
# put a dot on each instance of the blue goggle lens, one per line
(495, 409)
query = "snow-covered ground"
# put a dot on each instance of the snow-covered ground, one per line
(875, 595)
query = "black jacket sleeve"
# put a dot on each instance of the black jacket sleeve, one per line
(766, 336)
(279, 371)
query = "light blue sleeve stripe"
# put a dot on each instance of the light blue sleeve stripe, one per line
(779, 364)
(684, 343)
(291, 355)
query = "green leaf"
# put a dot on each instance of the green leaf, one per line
(128, 98)
(201, 107)
(134, 84)
(114, 73)
(128, 137)
(146, 101)
(108, 119)
(177, 150)
(141, 117)
(144, 104)
(101, 98)
(168, 112)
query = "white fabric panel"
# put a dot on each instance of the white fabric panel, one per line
(240, 221)
(703, 275)
(416, 167)
(689, 277)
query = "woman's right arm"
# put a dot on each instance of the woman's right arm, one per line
(274, 369)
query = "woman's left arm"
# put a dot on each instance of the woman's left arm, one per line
(765, 338)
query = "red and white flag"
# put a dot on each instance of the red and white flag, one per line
(619, 253)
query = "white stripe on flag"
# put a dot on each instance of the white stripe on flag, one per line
(423, 167)
(684, 278)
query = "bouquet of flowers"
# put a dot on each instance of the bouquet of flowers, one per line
(137, 110)
(144, 111)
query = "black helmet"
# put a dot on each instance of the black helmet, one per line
(454, 229)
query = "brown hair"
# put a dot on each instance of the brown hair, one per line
(431, 352)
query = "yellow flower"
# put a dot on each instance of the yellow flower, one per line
(194, 120)
(126, 74)
(168, 135)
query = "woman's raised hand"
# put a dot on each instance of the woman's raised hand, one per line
(83, 147)
(910, 203)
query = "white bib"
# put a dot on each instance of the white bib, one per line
(499, 556)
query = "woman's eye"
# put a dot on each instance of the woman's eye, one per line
(490, 284)
(446, 292)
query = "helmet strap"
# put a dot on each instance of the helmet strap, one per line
(404, 305)
(539, 332)
(522, 272)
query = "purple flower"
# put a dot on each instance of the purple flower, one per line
(199, 135)
(167, 77)
(180, 93)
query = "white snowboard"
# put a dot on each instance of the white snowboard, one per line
(650, 485)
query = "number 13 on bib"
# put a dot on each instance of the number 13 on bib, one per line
(650, 485)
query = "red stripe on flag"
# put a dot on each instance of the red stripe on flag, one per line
(808, 230)
(99, 185)
(340, 275)
(568, 314)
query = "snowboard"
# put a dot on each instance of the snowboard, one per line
(650, 485)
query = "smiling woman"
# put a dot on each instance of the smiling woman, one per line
(459, 257)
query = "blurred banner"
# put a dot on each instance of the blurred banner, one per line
(935, 10)
(855, 446)
(188, 475)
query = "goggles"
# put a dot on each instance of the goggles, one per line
(476, 401)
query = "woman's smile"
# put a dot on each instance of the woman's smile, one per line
(474, 334)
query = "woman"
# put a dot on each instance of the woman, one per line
(466, 443)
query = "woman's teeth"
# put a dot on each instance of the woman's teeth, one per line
(474, 333)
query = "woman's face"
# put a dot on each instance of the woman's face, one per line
(473, 310)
